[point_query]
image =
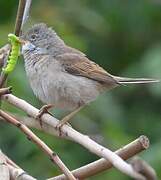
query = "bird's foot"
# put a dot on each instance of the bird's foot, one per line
(44, 109)
(60, 125)
(66, 119)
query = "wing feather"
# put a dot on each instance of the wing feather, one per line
(82, 66)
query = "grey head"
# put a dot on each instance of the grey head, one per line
(43, 37)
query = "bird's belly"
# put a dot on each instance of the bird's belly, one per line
(63, 90)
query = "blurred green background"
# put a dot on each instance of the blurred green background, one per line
(124, 37)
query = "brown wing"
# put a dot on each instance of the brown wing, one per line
(81, 66)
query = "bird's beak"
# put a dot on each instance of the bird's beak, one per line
(26, 45)
(22, 41)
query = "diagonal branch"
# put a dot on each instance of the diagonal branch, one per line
(18, 174)
(7, 90)
(128, 151)
(4, 172)
(31, 136)
(26, 12)
(14, 170)
(19, 18)
(10, 162)
(144, 168)
(100, 165)
(4, 52)
(70, 133)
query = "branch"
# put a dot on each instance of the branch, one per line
(14, 170)
(19, 18)
(4, 172)
(10, 162)
(19, 174)
(31, 136)
(26, 12)
(70, 133)
(144, 168)
(100, 165)
(4, 52)
(7, 90)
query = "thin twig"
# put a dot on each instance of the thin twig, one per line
(15, 171)
(7, 90)
(26, 12)
(144, 168)
(3, 78)
(10, 162)
(101, 165)
(19, 174)
(70, 133)
(4, 53)
(31, 136)
(19, 18)
(4, 171)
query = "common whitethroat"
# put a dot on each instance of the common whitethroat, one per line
(63, 76)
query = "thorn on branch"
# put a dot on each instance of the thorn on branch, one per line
(7, 90)
(18, 125)
(29, 138)
(54, 154)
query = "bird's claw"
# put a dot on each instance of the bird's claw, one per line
(44, 109)
(60, 125)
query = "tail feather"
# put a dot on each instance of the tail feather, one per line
(124, 80)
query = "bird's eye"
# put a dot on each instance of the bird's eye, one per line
(33, 36)
(36, 31)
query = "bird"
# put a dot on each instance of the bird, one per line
(62, 76)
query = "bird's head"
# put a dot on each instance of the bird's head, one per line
(36, 33)
(43, 37)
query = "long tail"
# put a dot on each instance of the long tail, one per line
(124, 80)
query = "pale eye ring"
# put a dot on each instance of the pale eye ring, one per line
(33, 36)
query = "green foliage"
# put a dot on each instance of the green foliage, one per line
(125, 38)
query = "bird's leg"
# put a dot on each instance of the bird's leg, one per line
(44, 109)
(67, 118)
